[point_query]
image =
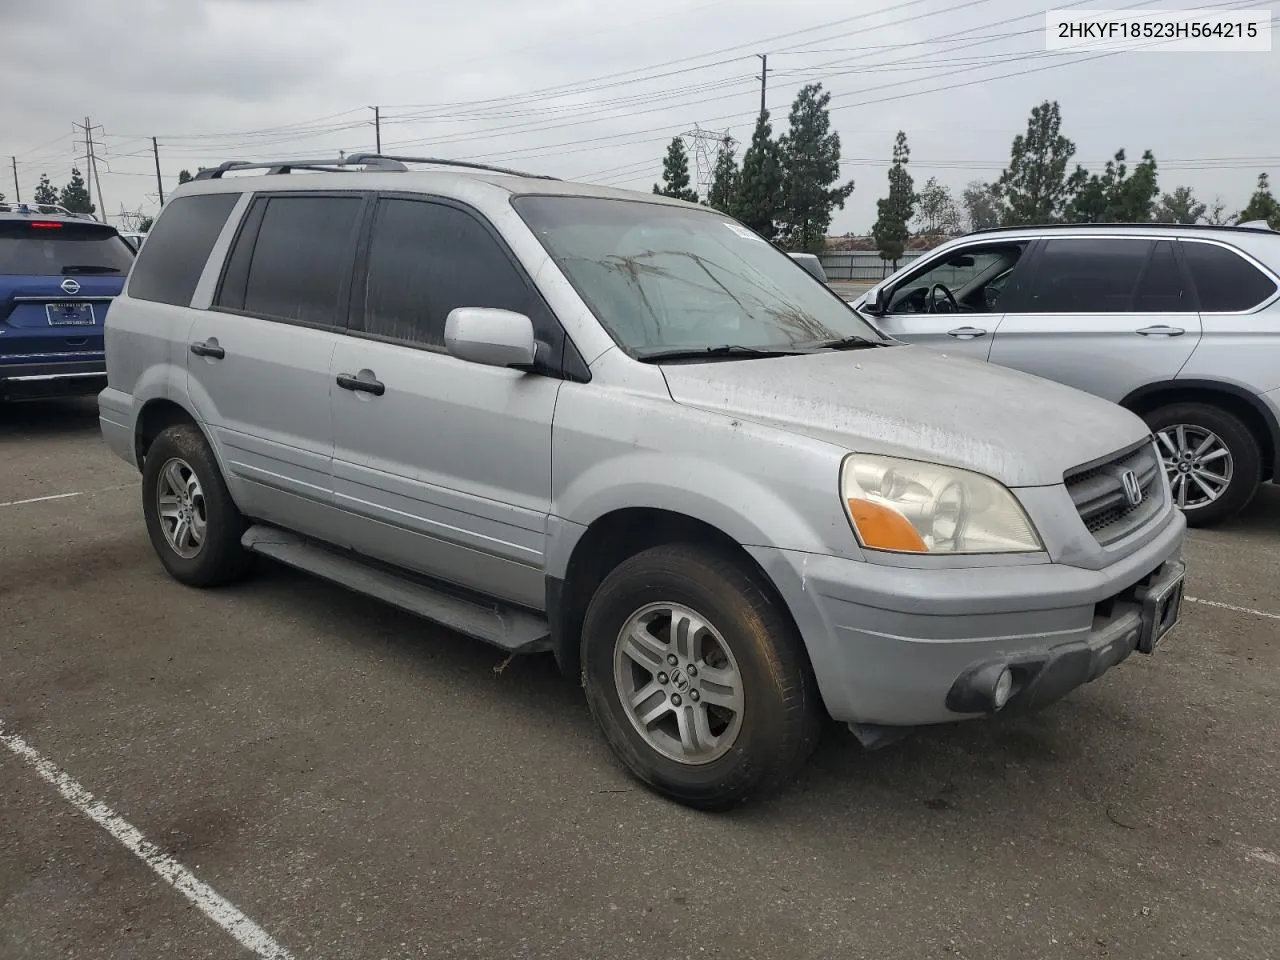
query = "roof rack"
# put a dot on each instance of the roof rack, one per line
(369, 161)
(1252, 226)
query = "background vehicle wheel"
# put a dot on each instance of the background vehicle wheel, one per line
(1213, 461)
(698, 678)
(193, 523)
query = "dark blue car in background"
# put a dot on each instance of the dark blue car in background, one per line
(59, 273)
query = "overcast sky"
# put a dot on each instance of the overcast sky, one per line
(595, 90)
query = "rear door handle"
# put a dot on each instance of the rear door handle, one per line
(347, 382)
(966, 333)
(208, 349)
(1161, 330)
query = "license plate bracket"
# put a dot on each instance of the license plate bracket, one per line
(70, 314)
(1161, 610)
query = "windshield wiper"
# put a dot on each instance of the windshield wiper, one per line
(88, 268)
(850, 343)
(724, 351)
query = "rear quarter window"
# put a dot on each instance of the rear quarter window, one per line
(1225, 281)
(173, 258)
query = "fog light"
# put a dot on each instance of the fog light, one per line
(1004, 689)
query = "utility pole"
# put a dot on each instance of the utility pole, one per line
(93, 165)
(155, 150)
(17, 190)
(764, 78)
(377, 128)
(92, 171)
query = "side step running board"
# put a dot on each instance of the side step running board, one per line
(512, 629)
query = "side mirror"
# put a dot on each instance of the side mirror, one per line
(880, 303)
(495, 338)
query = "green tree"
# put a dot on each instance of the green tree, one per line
(981, 202)
(75, 195)
(44, 190)
(722, 194)
(1035, 187)
(1181, 206)
(810, 152)
(1262, 205)
(937, 212)
(760, 183)
(1116, 196)
(184, 176)
(890, 229)
(145, 224)
(675, 173)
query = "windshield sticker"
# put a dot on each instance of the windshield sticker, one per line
(745, 233)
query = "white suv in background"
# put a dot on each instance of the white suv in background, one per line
(1180, 324)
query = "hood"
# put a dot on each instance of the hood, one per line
(917, 403)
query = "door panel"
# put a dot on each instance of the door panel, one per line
(975, 276)
(448, 471)
(266, 403)
(963, 335)
(445, 468)
(1106, 315)
(259, 363)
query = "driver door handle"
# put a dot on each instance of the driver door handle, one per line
(1161, 330)
(206, 349)
(966, 333)
(347, 382)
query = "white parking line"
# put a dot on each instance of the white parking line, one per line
(56, 496)
(67, 496)
(207, 900)
(1234, 609)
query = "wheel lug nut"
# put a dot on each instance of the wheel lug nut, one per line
(671, 659)
(662, 678)
(692, 671)
(675, 700)
(693, 695)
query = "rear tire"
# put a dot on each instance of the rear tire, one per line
(1207, 450)
(193, 523)
(743, 721)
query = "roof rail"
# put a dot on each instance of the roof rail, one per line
(369, 161)
(1252, 226)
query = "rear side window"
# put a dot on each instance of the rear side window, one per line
(61, 248)
(172, 259)
(298, 260)
(427, 258)
(1161, 288)
(1094, 275)
(1225, 281)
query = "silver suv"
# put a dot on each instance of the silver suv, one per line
(628, 431)
(1180, 324)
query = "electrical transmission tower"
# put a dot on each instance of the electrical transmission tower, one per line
(707, 145)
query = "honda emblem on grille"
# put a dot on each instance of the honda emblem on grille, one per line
(70, 286)
(1132, 489)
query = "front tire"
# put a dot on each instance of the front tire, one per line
(1213, 461)
(736, 715)
(193, 523)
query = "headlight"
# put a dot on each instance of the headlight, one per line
(912, 507)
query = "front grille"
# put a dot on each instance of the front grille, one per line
(1098, 492)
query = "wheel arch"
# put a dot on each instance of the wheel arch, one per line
(609, 540)
(1244, 404)
(156, 416)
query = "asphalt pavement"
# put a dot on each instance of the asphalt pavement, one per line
(361, 784)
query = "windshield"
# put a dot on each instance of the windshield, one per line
(54, 248)
(662, 278)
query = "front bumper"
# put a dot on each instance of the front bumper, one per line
(891, 645)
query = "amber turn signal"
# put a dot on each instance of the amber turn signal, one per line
(883, 528)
